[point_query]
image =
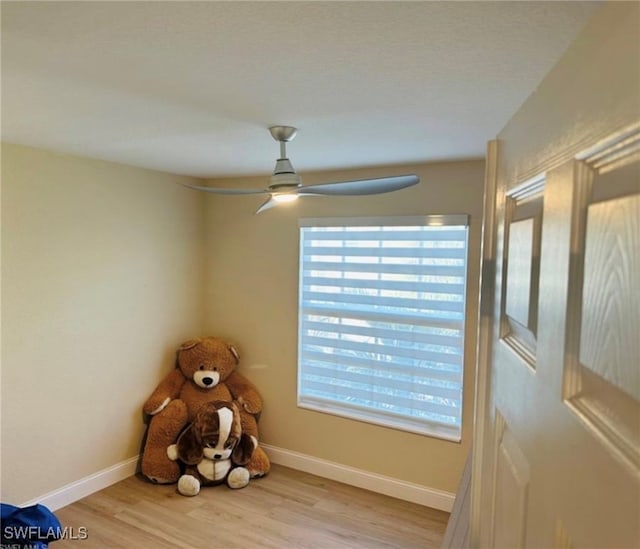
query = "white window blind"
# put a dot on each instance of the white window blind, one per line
(381, 320)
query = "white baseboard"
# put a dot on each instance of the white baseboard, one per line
(408, 491)
(87, 485)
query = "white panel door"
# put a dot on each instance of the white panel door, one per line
(559, 464)
(556, 459)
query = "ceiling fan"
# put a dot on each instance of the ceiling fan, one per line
(285, 185)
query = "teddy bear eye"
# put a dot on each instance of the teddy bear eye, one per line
(201, 367)
(215, 368)
(228, 444)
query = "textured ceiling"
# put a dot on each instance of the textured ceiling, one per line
(190, 87)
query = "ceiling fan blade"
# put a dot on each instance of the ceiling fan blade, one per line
(362, 186)
(223, 190)
(270, 203)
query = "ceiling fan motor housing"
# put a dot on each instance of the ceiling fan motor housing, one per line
(283, 181)
(284, 175)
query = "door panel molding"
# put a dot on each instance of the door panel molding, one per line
(510, 489)
(601, 382)
(521, 268)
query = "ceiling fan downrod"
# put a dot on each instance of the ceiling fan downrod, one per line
(284, 176)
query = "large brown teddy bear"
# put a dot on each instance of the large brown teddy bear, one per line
(205, 372)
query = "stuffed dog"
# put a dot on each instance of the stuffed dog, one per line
(214, 449)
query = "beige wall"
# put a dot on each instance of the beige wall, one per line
(252, 292)
(102, 276)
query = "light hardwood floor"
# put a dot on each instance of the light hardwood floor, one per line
(286, 509)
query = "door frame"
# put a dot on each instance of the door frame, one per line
(486, 315)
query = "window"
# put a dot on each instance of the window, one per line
(381, 320)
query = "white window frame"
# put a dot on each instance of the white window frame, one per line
(421, 425)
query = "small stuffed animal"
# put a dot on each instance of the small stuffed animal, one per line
(205, 373)
(214, 448)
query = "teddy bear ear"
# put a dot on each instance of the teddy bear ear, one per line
(234, 352)
(189, 344)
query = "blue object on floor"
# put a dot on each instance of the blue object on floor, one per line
(33, 527)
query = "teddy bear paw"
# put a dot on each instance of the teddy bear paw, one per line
(172, 452)
(238, 478)
(159, 469)
(158, 408)
(189, 485)
(250, 407)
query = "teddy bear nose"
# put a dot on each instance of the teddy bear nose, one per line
(217, 456)
(207, 380)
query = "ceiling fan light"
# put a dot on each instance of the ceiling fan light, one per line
(284, 197)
